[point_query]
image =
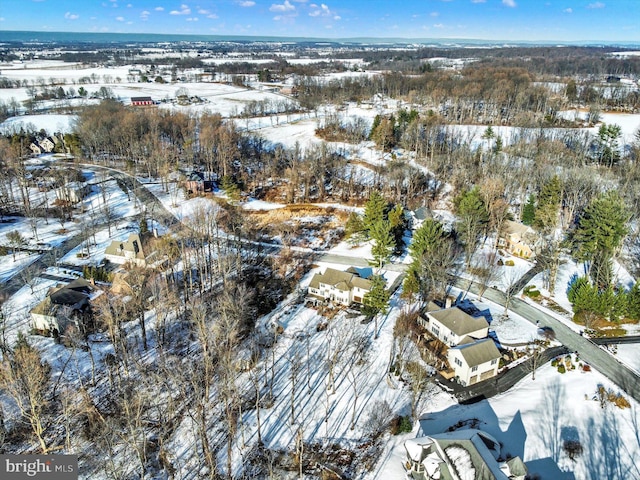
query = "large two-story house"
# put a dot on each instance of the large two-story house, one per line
(451, 325)
(517, 239)
(129, 251)
(474, 361)
(472, 356)
(64, 305)
(340, 287)
(460, 455)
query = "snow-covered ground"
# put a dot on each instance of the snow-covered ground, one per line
(52, 123)
(629, 354)
(533, 420)
(10, 267)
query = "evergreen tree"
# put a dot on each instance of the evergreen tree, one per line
(633, 302)
(529, 211)
(546, 212)
(374, 126)
(397, 225)
(411, 283)
(376, 300)
(472, 220)
(230, 187)
(374, 211)
(572, 90)
(354, 229)
(432, 254)
(599, 235)
(385, 134)
(383, 243)
(607, 144)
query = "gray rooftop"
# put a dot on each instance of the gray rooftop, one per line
(344, 281)
(479, 352)
(458, 321)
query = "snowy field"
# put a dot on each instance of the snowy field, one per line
(51, 123)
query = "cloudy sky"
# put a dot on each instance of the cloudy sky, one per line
(562, 20)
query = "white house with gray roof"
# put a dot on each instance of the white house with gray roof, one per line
(474, 361)
(452, 325)
(340, 287)
(472, 356)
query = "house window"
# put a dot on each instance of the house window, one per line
(458, 362)
(473, 369)
(435, 330)
(494, 361)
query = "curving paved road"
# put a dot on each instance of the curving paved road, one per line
(600, 359)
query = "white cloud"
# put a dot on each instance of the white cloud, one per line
(184, 10)
(596, 5)
(509, 3)
(434, 14)
(203, 11)
(478, 1)
(192, 19)
(159, 9)
(120, 19)
(321, 11)
(247, 3)
(282, 7)
(337, 17)
(438, 25)
(1, 19)
(129, 5)
(71, 16)
(568, 10)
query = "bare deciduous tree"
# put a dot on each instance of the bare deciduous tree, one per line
(25, 377)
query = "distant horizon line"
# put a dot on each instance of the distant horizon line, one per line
(21, 36)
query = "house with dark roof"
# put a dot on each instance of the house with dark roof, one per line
(195, 183)
(344, 287)
(460, 455)
(418, 216)
(65, 305)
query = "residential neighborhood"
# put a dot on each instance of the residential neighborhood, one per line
(318, 258)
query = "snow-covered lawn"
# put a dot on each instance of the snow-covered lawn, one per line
(533, 420)
(10, 267)
(356, 251)
(629, 354)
